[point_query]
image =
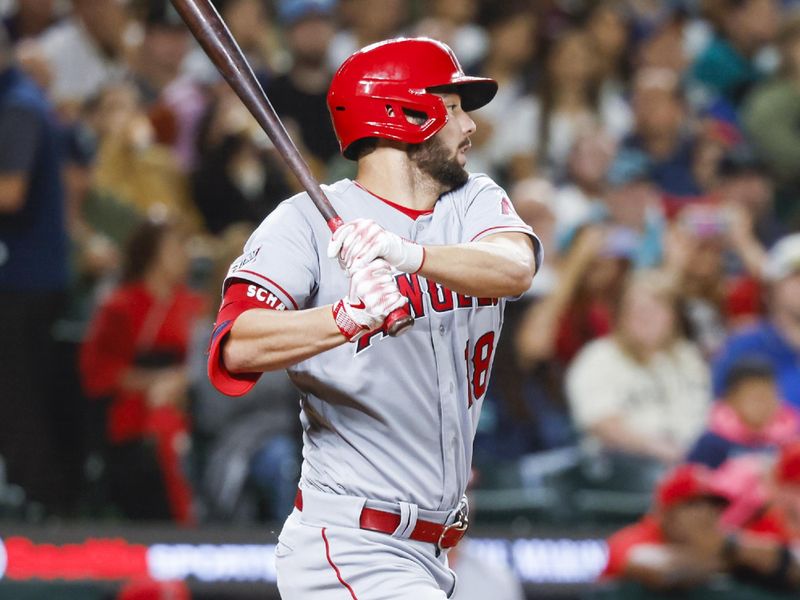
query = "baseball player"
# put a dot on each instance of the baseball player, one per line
(388, 422)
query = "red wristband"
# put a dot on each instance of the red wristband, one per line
(349, 328)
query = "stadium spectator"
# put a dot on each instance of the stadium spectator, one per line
(703, 240)
(131, 166)
(644, 390)
(299, 94)
(681, 544)
(750, 417)
(744, 183)
(238, 163)
(729, 66)
(580, 307)
(693, 258)
(512, 29)
(786, 488)
(631, 203)
(715, 138)
(568, 99)
(764, 493)
(156, 63)
(33, 276)
(660, 134)
(581, 195)
(608, 26)
(86, 51)
(31, 18)
(661, 39)
(250, 24)
(173, 103)
(133, 362)
(770, 116)
(776, 338)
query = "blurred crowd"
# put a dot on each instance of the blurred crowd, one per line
(653, 145)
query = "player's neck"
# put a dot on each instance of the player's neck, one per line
(392, 176)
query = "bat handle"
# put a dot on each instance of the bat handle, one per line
(398, 321)
(334, 223)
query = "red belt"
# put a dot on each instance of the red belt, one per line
(442, 536)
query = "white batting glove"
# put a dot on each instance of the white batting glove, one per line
(358, 242)
(373, 295)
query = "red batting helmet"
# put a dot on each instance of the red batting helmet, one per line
(375, 91)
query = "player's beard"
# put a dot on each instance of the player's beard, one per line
(434, 159)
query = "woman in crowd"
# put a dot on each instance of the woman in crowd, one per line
(568, 100)
(133, 361)
(581, 305)
(644, 390)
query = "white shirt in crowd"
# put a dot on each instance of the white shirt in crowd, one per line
(666, 398)
(79, 68)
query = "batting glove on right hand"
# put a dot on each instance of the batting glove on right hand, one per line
(373, 295)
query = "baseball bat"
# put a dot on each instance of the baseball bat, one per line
(212, 33)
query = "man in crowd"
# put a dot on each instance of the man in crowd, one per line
(776, 339)
(681, 543)
(33, 275)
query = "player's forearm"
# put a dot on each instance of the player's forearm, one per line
(268, 340)
(485, 269)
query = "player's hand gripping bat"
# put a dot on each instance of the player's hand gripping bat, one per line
(213, 35)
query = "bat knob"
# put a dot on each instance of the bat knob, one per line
(398, 321)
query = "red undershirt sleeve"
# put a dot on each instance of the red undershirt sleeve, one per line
(239, 296)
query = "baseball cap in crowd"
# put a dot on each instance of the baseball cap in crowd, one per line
(292, 11)
(787, 468)
(783, 259)
(687, 482)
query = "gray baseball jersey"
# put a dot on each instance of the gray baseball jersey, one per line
(390, 419)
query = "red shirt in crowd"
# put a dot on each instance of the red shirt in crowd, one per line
(131, 323)
(134, 329)
(644, 532)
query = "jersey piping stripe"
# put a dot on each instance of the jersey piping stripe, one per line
(519, 228)
(268, 280)
(335, 568)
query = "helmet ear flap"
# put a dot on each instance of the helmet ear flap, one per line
(412, 120)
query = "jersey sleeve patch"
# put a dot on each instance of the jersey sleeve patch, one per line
(282, 255)
(239, 297)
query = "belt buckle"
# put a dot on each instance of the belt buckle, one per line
(461, 524)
